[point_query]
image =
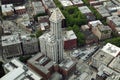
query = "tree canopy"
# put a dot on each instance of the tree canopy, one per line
(80, 35)
(72, 14)
(115, 41)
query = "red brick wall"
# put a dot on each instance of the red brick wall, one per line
(45, 77)
(70, 44)
(21, 11)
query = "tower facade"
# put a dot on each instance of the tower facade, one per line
(53, 46)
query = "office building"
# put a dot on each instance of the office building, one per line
(38, 7)
(100, 30)
(11, 46)
(42, 65)
(70, 40)
(51, 43)
(105, 55)
(29, 44)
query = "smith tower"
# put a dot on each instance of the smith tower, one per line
(53, 41)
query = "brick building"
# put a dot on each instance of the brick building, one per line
(20, 10)
(42, 65)
(12, 1)
(70, 40)
(67, 68)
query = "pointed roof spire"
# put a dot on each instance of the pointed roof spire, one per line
(56, 15)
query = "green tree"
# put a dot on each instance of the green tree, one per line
(115, 41)
(80, 35)
(39, 33)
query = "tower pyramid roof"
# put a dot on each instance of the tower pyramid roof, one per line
(56, 15)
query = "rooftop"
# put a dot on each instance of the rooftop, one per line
(49, 3)
(66, 3)
(115, 20)
(85, 27)
(95, 23)
(103, 11)
(115, 64)
(10, 40)
(77, 1)
(28, 39)
(38, 61)
(107, 72)
(84, 9)
(104, 28)
(7, 8)
(102, 57)
(38, 7)
(20, 71)
(111, 49)
(19, 7)
(69, 35)
(56, 15)
(67, 64)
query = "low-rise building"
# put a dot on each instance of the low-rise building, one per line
(114, 23)
(105, 55)
(42, 65)
(96, 2)
(67, 67)
(49, 5)
(100, 30)
(70, 40)
(77, 2)
(7, 9)
(29, 44)
(89, 36)
(103, 11)
(85, 10)
(20, 10)
(66, 3)
(106, 73)
(16, 70)
(115, 64)
(11, 46)
(38, 7)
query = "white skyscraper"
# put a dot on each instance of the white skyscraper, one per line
(51, 43)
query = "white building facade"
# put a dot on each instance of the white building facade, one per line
(52, 45)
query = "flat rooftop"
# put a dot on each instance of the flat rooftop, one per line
(111, 49)
(103, 11)
(20, 71)
(49, 3)
(38, 61)
(28, 39)
(115, 20)
(77, 1)
(19, 7)
(69, 35)
(7, 8)
(66, 3)
(102, 57)
(67, 64)
(115, 64)
(84, 9)
(107, 70)
(38, 7)
(95, 23)
(10, 40)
